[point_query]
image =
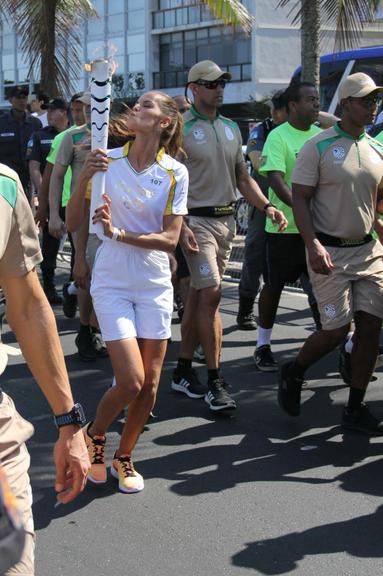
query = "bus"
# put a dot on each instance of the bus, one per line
(335, 67)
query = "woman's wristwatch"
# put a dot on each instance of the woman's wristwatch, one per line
(269, 205)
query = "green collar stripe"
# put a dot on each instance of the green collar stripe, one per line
(324, 144)
(228, 121)
(344, 134)
(378, 146)
(201, 116)
(188, 125)
(8, 190)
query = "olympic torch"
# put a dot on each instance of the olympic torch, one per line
(100, 89)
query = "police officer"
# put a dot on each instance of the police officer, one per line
(16, 128)
(37, 152)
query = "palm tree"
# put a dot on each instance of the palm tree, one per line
(231, 12)
(48, 32)
(347, 17)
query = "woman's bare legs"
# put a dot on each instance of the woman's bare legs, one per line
(152, 355)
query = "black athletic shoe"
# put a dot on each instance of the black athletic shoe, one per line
(344, 364)
(264, 359)
(218, 397)
(363, 421)
(85, 345)
(99, 344)
(289, 392)
(246, 321)
(187, 382)
(52, 295)
(69, 302)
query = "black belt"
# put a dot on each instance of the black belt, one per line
(336, 242)
(212, 211)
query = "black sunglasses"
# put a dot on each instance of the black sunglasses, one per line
(211, 84)
(369, 100)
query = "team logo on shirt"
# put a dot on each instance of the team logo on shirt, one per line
(229, 133)
(339, 152)
(330, 311)
(198, 133)
(204, 269)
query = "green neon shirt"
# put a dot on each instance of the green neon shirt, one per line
(279, 154)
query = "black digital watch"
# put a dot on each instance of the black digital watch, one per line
(75, 416)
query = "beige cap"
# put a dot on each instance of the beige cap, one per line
(207, 70)
(357, 86)
(6, 351)
(85, 98)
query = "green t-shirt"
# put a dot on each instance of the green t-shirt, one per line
(379, 136)
(51, 158)
(280, 153)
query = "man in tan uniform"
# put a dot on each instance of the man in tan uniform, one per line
(336, 182)
(32, 320)
(213, 146)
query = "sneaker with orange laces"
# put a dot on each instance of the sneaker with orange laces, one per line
(96, 451)
(129, 480)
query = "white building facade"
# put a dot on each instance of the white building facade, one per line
(155, 42)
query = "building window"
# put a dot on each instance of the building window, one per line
(230, 49)
(177, 13)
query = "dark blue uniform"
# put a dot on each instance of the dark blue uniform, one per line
(14, 137)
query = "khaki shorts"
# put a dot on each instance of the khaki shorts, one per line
(214, 237)
(14, 457)
(355, 284)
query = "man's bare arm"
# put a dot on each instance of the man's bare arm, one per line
(254, 195)
(277, 183)
(319, 258)
(56, 225)
(31, 318)
(35, 174)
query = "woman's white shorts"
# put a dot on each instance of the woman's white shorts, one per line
(132, 292)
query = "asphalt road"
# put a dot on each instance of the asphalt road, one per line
(260, 493)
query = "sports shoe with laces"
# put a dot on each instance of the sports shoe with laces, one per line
(187, 382)
(69, 302)
(289, 391)
(246, 321)
(129, 480)
(363, 421)
(96, 451)
(99, 344)
(264, 359)
(85, 344)
(218, 397)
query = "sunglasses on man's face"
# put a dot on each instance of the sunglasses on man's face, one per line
(211, 84)
(367, 101)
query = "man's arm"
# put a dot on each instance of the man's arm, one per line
(277, 183)
(255, 158)
(32, 320)
(253, 194)
(319, 258)
(41, 215)
(81, 270)
(56, 225)
(35, 174)
(326, 120)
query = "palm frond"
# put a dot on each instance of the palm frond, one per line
(231, 12)
(349, 18)
(60, 34)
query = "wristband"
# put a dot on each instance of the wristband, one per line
(115, 234)
(269, 205)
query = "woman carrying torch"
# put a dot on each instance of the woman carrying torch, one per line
(141, 217)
